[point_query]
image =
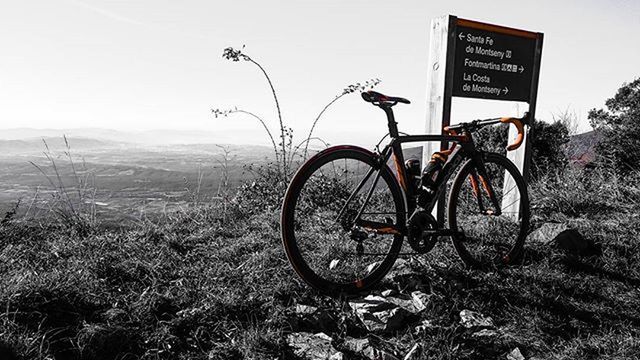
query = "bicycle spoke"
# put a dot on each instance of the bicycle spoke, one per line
(326, 237)
(487, 236)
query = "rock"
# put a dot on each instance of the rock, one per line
(572, 242)
(565, 238)
(382, 355)
(403, 301)
(355, 345)
(471, 319)
(311, 317)
(305, 309)
(485, 335)
(420, 300)
(515, 354)
(402, 274)
(377, 314)
(547, 232)
(364, 348)
(424, 327)
(380, 314)
(392, 319)
(413, 353)
(413, 303)
(389, 292)
(313, 346)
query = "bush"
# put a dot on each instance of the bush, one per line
(264, 193)
(619, 127)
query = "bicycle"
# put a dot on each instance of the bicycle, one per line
(343, 228)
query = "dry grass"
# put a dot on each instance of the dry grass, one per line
(198, 287)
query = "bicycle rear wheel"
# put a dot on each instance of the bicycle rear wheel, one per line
(323, 244)
(489, 240)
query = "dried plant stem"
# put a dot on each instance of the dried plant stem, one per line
(282, 129)
(313, 126)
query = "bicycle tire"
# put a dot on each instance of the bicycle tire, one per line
(288, 221)
(514, 253)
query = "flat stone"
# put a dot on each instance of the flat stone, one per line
(376, 314)
(313, 346)
(403, 301)
(547, 232)
(389, 292)
(485, 335)
(515, 354)
(471, 319)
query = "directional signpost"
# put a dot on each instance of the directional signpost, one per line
(472, 59)
(493, 65)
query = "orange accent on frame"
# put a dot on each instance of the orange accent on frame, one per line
(497, 29)
(474, 186)
(400, 170)
(384, 230)
(485, 186)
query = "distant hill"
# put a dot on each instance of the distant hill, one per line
(581, 147)
(37, 145)
(146, 137)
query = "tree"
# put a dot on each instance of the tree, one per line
(619, 127)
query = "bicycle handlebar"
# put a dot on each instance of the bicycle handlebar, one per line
(520, 126)
(517, 122)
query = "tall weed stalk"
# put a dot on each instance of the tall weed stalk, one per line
(73, 205)
(284, 151)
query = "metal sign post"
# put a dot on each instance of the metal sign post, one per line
(483, 61)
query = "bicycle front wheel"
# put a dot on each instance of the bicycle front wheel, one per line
(325, 242)
(491, 236)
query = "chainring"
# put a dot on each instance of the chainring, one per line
(419, 222)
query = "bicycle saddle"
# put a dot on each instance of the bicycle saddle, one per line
(379, 99)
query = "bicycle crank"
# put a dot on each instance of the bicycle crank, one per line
(422, 225)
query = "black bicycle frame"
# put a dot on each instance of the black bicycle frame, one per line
(466, 150)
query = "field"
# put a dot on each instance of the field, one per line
(210, 280)
(130, 180)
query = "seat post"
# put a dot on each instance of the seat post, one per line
(391, 121)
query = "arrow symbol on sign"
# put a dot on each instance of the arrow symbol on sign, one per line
(521, 69)
(461, 36)
(506, 90)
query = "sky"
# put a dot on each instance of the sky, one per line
(140, 65)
